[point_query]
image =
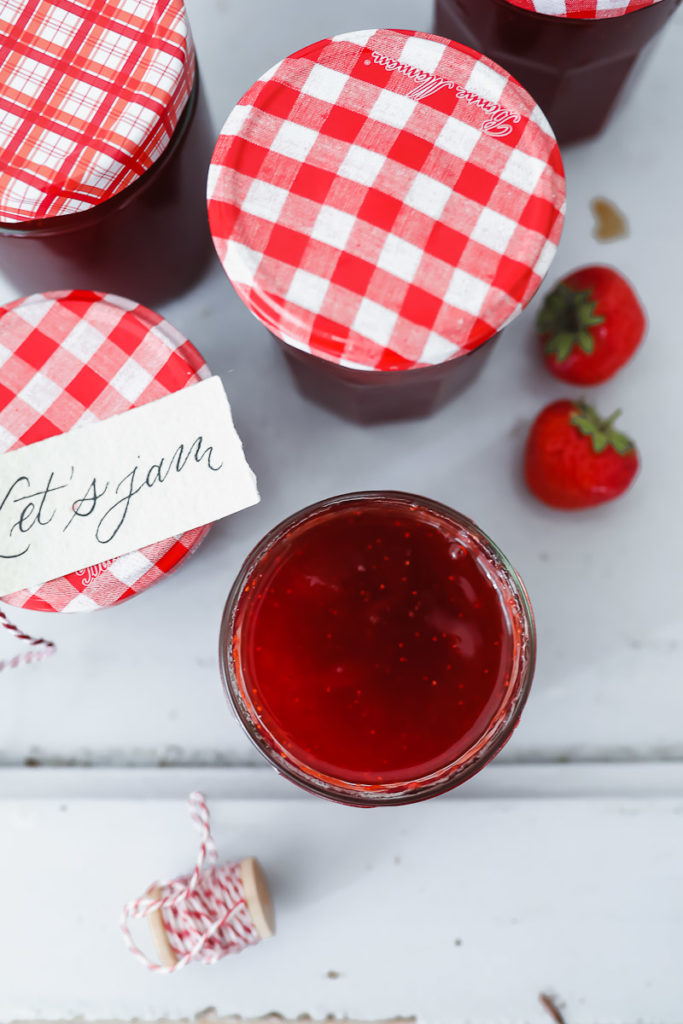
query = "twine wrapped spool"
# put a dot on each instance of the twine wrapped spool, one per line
(202, 917)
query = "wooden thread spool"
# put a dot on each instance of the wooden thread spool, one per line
(214, 912)
(257, 897)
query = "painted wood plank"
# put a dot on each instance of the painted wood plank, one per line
(458, 910)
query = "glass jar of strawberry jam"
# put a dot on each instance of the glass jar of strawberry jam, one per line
(572, 55)
(104, 145)
(378, 648)
(385, 202)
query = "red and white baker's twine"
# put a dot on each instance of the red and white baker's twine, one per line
(205, 914)
(39, 649)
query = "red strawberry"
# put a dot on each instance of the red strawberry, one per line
(574, 459)
(590, 325)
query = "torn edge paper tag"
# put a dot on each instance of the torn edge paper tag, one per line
(104, 490)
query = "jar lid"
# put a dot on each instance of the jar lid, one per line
(386, 199)
(70, 359)
(583, 8)
(90, 95)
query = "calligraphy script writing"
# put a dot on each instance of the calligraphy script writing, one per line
(90, 574)
(428, 83)
(26, 506)
(499, 121)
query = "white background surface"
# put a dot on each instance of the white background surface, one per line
(594, 885)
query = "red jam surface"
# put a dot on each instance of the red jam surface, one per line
(375, 642)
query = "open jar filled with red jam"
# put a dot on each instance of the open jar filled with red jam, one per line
(385, 202)
(378, 648)
(573, 56)
(104, 145)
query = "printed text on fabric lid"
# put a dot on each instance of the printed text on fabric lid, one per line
(498, 121)
(95, 493)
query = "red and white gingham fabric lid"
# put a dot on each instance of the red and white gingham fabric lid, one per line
(386, 199)
(583, 8)
(69, 359)
(91, 92)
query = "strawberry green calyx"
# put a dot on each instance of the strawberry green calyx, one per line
(601, 432)
(566, 317)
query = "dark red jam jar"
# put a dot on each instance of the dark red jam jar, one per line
(104, 146)
(385, 202)
(377, 648)
(572, 55)
(69, 359)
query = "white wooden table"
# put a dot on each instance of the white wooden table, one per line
(559, 868)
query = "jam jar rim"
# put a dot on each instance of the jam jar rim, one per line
(494, 737)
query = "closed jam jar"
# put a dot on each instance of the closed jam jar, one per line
(104, 146)
(73, 358)
(378, 648)
(385, 202)
(573, 56)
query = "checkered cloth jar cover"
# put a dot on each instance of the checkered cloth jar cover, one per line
(90, 96)
(583, 8)
(69, 359)
(386, 199)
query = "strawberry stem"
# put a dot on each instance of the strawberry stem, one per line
(607, 424)
(566, 320)
(600, 432)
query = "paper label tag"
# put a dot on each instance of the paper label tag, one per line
(101, 491)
